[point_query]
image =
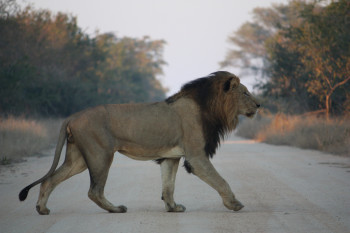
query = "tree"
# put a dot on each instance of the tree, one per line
(130, 67)
(249, 50)
(48, 66)
(7, 8)
(304, 48)
(315, 51)
(325, 37)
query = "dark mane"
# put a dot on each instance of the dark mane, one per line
(204, 92)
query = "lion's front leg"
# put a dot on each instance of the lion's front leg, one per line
(169, 168)
(203, 168)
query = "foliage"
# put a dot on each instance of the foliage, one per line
(49, 66)
(305, 49)
(249, 51)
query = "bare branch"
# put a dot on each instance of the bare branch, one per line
(341, 83)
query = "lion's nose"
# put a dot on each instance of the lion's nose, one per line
(258, 105)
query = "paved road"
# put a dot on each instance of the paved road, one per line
(283, 189)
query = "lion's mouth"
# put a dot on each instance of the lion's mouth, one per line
(250, 114)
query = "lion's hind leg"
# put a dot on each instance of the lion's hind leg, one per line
(169, 168)
(96, 194)
(74, 163)
(98, 177)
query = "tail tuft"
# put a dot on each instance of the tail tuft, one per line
(24, 193)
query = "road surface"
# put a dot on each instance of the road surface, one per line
(283, 189)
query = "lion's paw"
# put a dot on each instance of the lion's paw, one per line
(234, 205)
(42, 211)
(237, 206)
(118, 209)
(180, 208)
(177, 208)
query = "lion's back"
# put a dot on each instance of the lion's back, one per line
(150, 122)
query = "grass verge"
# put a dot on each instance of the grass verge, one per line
(21, 137)
(300, 131)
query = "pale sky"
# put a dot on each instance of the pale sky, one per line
(196, 31)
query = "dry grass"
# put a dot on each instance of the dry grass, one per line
(304, 132)
(24, 137)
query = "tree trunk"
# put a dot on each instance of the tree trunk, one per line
(328, 96)
(328, 106)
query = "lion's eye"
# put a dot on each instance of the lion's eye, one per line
(246, 93)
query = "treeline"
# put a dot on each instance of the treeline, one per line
(302, 52)
(50, 67)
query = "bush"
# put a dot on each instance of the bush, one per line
(301, 131)
(23, 137)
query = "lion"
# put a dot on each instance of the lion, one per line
(189, 124)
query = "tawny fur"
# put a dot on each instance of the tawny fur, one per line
(188, 124)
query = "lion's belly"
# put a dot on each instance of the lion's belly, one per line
(175, 152)
(151, 154)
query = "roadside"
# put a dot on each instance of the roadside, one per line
(302, 131)
(21, 137)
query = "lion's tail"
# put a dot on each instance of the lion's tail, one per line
(61, 140)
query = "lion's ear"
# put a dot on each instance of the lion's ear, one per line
(235, 82)
(231, 83)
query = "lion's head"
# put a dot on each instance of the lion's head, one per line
(221, 98)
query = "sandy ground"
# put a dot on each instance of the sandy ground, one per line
(283, 189)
